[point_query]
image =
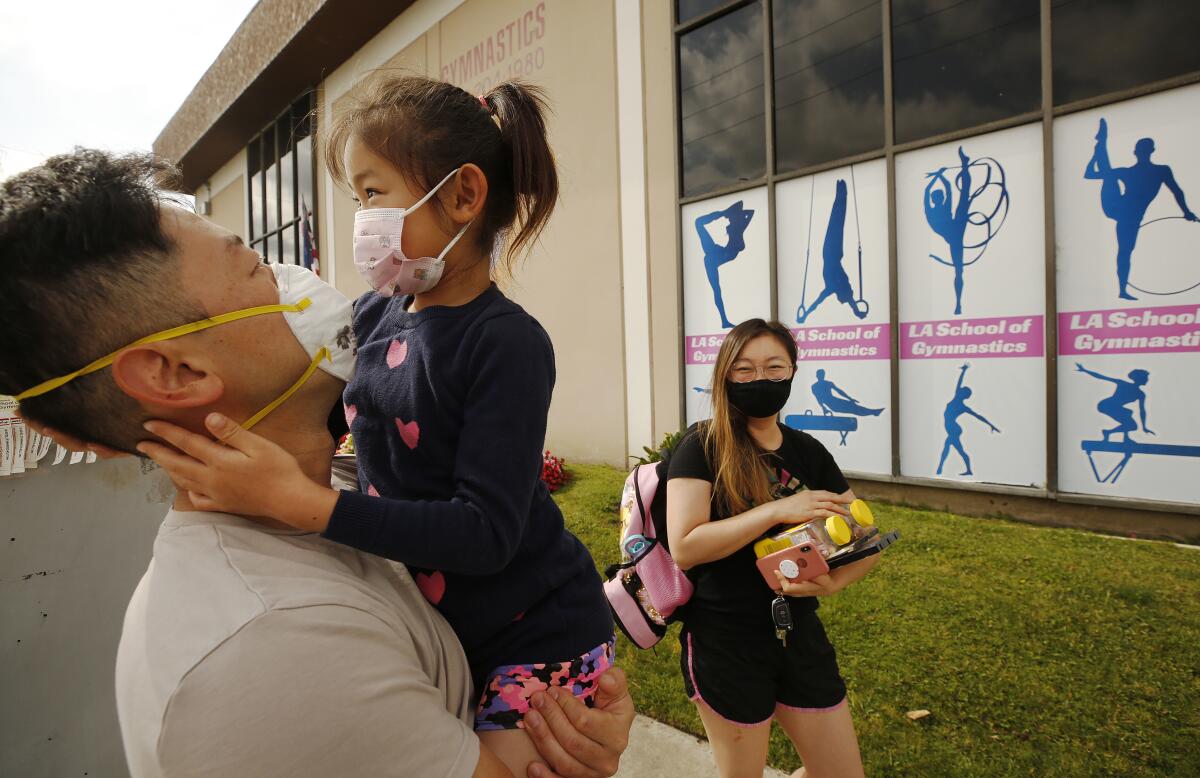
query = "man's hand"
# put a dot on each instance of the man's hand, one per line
(577, 741)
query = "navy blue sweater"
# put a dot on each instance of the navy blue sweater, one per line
(448, 408)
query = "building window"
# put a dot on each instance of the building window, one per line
(723, 130)
(283, 186)
(960, 63)
(686, 10)
(1103, 46)
(828, 80)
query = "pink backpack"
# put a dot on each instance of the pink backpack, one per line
(646, 589)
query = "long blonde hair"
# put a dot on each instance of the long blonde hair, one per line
(740, 475)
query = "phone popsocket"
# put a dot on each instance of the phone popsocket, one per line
(808, 550)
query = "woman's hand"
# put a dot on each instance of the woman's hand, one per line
(240, 473)
(811, 504)
(821, 586)
(830, 583)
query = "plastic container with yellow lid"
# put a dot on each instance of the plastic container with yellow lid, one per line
(828, 535)
(861, 521)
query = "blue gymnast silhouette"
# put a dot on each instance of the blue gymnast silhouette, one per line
(1126, 193)
(950, 218)
(826, 392)
(955, 408)
(837, 283)
(951, 225)
(1126, 393)
(738, 219)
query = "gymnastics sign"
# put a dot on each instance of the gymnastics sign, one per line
(970, 252)
(831, 234)
(1003, 336)
(1129, 298)
(726, 280)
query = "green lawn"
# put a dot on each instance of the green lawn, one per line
(1039, 651)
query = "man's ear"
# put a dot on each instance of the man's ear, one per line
(158, 374)
(468, 196)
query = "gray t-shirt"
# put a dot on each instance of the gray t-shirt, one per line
(255, 651)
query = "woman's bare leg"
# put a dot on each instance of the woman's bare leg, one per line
(740, 752)
(824, 739)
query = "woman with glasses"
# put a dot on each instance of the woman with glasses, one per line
(733, 479)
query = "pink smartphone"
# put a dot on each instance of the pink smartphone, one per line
(802, 562)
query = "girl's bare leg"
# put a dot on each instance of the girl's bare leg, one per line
(513, 746)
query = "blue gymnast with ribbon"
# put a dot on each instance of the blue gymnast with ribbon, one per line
(1125, 195)
(967, 214)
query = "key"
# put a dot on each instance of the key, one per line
(781, 614)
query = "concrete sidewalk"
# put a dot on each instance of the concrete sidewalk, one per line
(659, 751)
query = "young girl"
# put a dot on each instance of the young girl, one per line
(449, 400)
(731, 480)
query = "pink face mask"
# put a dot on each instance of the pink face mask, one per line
(379, 258)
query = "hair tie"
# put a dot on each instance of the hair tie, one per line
(495, 119)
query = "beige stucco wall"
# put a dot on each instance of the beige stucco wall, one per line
(229, 206)
(571, 281)
(225, 195)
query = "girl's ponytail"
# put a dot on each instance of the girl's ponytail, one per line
(520, 110)
(426, 128)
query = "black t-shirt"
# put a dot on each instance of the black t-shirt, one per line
(731, 594)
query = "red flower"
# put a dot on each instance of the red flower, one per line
(554, 475)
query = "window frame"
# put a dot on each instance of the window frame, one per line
(259, 237)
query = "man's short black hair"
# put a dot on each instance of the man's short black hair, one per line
(85, 268)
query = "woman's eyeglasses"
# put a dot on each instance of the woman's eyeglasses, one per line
(745, 373)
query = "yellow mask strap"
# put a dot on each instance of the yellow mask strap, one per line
(281, 399)
(174, 332)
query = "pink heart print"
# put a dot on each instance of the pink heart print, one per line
(410, 432)
(351, 415)
(371, 490)
(433, 586)
(397, 353)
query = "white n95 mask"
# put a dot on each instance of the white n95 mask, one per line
(325, 323)
(379, 258)
(318, 315)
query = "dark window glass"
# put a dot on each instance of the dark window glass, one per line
(959, 63)
(828, 80)
(287, 188)
(289, 246)
(254, 168)
(690, 9)
(304, 173)
(721, 102)
(1106, 45)
(270, 155)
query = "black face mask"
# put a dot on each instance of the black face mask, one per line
(759, 399)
